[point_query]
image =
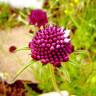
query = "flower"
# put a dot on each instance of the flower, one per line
(51, 45)
(12, 49)
(38, 17)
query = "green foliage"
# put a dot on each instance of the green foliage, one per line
(8, 16)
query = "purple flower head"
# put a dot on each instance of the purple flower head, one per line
(38, 17)
(51, 45)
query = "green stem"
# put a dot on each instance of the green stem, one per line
(24, 48)
(34, 70)
(22, 14)
(74, 63)
(53, 4)
(74, 21)
(51, 68)
(21, 70)
(20, 19)
(80, 51)
(66, 74)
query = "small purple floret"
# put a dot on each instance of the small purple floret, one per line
(48, 46)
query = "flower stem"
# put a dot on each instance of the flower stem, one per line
(20, 19)
(51, 68)
(21, 70)
(24, 48)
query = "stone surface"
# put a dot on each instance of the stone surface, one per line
(10, 63)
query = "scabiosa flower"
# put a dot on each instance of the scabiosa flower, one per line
(51, 45)
(38, 17)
